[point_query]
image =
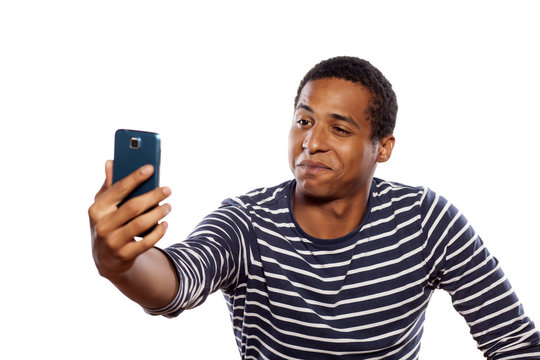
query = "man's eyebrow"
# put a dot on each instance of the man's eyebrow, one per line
(347, 119)
(304, 107)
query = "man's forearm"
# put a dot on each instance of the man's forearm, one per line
(151, 281)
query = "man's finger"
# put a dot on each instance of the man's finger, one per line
(108, 179)
(122, 188)
(135, 248)
(139, 225)
(108, 172)
(134, 208)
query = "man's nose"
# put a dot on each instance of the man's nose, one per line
(315, 140)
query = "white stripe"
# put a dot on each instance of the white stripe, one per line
(270, 221)
(271, 211)
(319, 350)
(468, 272)
(324, 325)
(391, 217)
(520, 343)
(498, 326)
(479, 293)
(461, 249)
(349, 300)
(343, 249)
(475, 281)
(490, 301)
(343, 316)
(521, 356)
(341, 263)
(350, 272)
(271, 197)
(394, 200)
(430, 211)
(495, 314)
(502, 337)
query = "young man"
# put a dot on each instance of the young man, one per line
(335, 264)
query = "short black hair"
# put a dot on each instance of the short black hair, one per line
(382, 110)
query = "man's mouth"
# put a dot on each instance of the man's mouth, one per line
(313, 167)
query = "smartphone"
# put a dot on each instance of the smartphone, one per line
(133, 149)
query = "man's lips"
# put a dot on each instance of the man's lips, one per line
(311, 166)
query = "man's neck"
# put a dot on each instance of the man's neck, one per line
(329, 219)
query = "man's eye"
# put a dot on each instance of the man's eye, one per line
(341, 131)
(302, 122)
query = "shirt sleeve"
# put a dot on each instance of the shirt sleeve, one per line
(212, 258)
(458, 262)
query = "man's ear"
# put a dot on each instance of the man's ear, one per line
(386, 145)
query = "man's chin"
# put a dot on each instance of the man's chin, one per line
(314, 190)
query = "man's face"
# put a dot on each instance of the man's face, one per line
(331, 153)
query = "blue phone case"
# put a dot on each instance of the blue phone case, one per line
(133, 149)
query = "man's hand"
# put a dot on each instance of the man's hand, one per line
(113, 229)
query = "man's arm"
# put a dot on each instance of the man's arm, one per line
(459, 263)
(142, 273)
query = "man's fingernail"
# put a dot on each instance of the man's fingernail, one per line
(146, 169)
(166, 191)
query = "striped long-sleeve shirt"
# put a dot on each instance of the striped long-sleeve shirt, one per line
(362, 296)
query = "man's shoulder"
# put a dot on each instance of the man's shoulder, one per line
(385, 188)
(406, 195)
(273, 197)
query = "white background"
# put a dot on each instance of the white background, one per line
(217, 80)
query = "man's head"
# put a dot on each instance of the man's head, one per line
(342, 127)
(382, 108)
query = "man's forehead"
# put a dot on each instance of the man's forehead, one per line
(335, 93)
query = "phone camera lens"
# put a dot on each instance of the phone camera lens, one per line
(134, 142)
